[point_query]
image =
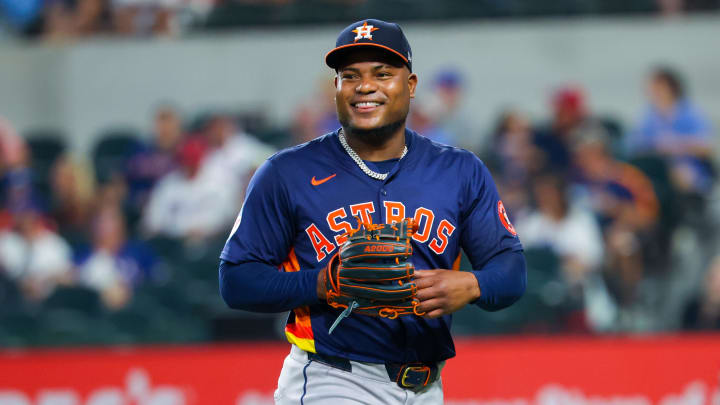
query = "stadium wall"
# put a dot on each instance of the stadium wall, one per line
(654, 370)
(87, 86)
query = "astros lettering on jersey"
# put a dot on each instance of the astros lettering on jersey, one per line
(303, 199)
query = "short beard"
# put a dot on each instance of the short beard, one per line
(375, 136)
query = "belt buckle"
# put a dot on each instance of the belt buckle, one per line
(414, 369)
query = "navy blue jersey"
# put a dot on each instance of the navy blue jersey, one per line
(303, 199)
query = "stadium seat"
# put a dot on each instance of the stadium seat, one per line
(168, 297)
(615, 131)
(656, 169)
(45, 145)
(242, 325)
(279, 138)
(185, 329)
(18, 329)
(113, 151)
(45, 148)
(131, 324)
(10, 295)
(204, 298)
(80, 299)
(197, 262)
(64, 326)
(166, 247)
(542, 259)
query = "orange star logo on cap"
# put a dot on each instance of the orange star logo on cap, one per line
(364, 31)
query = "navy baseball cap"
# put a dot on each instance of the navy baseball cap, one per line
(371, 32)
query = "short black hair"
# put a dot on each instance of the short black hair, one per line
(672, 78)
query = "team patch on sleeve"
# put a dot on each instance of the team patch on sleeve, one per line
(504, 220)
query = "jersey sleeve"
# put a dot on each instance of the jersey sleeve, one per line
(486, 229)
(264, 229)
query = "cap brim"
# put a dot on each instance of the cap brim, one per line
(332, 58)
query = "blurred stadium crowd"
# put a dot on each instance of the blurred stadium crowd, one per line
(136, 230)
(62, 20)
(619, 222)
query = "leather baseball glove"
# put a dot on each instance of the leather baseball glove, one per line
(372, 273)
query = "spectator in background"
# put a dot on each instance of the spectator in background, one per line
(15, 173)
(571, 121)
(513, 159)
(568, 229)
(571, 231)
(73, 197)
(20, 14)
(5, 220)
(674, 128)
(33, 255)
(618, 191)
(114, 265)
(512, 153)
(443, 109)
(157, 159)
(624, 200)
(233, 153)
(316, 117)
(703, 312)
(13, 153)
(421, 120)
(191, 203)
(145, 17)
(68, 19)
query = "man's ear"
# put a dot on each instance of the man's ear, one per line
(335, 81)
(412, 84)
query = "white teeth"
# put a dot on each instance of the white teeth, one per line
(367, 104)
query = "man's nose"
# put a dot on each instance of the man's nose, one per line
(366, 85)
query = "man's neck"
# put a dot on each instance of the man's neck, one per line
(391, 148)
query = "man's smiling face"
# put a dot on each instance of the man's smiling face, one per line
(373, 90)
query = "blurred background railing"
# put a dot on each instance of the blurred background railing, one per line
(129, 131)
(72, 18)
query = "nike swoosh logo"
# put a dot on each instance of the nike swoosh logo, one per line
(321, 181)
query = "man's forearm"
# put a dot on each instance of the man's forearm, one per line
(260, 287)
(502, 281)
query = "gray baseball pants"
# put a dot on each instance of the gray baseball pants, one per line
(307, 382)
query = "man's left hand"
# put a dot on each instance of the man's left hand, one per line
(442, 292)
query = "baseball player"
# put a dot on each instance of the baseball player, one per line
(301, 216)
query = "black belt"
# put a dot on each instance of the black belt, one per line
(410, 376)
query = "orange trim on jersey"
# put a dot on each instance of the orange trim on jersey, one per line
(291, 264)
(456, 263)
(307, 345)
(298, 330)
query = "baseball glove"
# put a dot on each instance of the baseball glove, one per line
(372, 273)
